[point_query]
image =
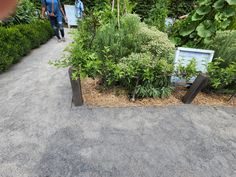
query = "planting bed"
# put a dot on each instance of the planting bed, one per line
(118, 98)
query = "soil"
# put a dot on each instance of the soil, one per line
(117, 97)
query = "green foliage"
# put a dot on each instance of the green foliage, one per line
(25, 13)
(142, 7)
(144, 75)
(224, 45)
(15, 44)
(178, 8)
(136, 57)
(17, 41)
(37, 4)
(222, 78)
(188, 71)
(158, 14)
(202, 24)
(121, 42)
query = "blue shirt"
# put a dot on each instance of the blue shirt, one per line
(79, 6)
(56, 9)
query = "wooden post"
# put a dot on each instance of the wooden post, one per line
(77, 97)
(200, 82)
(113, 5)
(118, 12)
(234, 95)
(125, 8)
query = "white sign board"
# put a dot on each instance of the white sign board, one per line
(169, 22)
(185, 55)
(71, 15)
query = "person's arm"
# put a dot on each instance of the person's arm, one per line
(43, 8)
(82, 9)
(62, 11)
(82, 6)
(183, 16)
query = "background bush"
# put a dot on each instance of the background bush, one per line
(158, 14)
(25, 13)
(224, 45)
(222, 70)
(16, 41)
(177, 8)
(204, 21)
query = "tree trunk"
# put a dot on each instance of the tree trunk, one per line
(113, 5)
(118, 12)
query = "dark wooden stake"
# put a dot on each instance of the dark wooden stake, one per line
(234, 95)
(77, 97)
(200, 82)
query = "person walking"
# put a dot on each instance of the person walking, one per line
(79, 7)
(55, 14)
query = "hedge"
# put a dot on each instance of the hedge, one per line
(17, 41)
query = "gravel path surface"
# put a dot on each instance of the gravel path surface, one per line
(41, 135)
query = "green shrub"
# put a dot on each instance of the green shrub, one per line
(132, 37)
(32, 34)
(25, 13)
(143, 7)
(158, 14)
(156, 42)
(16, 41)
(144, 75)
(178, 8)
(188, 71)
(224, 45)
(121, 42)
(13, 43)
(222, 78)
(136, 57)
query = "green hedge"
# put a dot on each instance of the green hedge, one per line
(17, 41)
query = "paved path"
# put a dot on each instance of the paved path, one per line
(42, 136)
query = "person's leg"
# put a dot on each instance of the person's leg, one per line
(54, 26)
(60, 26)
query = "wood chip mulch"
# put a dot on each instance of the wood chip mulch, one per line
(118, 98)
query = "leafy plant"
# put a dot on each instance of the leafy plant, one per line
(178, 8)
(121, 42)
(158, 14)
(202, 24)
(143, 7)
(224, 45)
(222, 78)
(187, 71)
(136, 57)
(25, 13)
(144, 75)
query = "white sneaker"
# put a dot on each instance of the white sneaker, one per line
(59, 40)
(63, 39)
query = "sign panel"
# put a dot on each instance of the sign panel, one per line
(169, 22)
(185, 55)
(71, 15)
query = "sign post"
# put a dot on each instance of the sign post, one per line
(71, 15)
(185, 55)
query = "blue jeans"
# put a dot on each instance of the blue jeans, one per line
(57, 25)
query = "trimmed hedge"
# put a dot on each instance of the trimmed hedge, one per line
(17, 41)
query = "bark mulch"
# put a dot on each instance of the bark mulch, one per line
(118, 98)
